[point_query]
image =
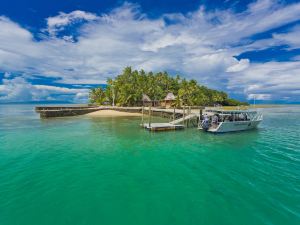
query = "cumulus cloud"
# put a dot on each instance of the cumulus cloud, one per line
(271, 80)
(291, 38)
(199, 45)
(259, 97)
(240, 66)
(20, 90)
(57, 23)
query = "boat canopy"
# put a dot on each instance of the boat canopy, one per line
(230, 112)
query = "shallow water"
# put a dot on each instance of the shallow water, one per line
(84, 170)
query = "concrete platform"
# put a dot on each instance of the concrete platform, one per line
(162, 126)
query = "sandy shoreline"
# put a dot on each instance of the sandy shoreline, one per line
(111, 113)
(114, 113)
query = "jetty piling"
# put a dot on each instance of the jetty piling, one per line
(174, 113)
(149, 111)
(183, 116)
(143, 115)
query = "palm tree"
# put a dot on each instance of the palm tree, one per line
(97, 95)
(127, 90)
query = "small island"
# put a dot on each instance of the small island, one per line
(139, 88)
(132, 90)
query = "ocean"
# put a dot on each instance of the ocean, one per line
(109, 171)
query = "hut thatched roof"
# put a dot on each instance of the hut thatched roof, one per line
(170, 96)
(145, 98)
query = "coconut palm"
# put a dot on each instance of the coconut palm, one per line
(127, 90)
(97, 95)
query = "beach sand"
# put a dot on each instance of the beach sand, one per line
(111, 113)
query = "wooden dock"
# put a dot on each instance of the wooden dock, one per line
(162, 126)
(63, 111)
(179, 118)
(183, 119)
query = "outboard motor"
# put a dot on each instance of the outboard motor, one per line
(205, 124)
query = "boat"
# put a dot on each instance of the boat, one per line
(217, 120)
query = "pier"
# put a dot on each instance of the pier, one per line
(63, 111)
(162, 126)
(179, 118)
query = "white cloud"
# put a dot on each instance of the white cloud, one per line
(271, 80)
(197, 45)
(16, 89)
(240, 66)
(291, 38)
(19, 90)
(57, 23)
(259, 97)
(7, 75)
(81, 97)
(297, 58)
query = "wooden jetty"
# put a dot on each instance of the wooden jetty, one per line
(162, 126)
(62, 111)
(185, 118)
(180, 118)
(175, 124)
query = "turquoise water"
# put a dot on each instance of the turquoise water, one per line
(109, 171)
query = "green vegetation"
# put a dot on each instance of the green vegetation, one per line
(127, 90)
(97, 95)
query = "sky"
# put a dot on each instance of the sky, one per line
(55, 51)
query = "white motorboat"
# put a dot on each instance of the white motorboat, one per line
(219, 120)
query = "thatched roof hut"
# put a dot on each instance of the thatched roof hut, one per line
(145, 98)
(170, 97)
(168, 100)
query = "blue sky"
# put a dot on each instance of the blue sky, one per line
(56, 50)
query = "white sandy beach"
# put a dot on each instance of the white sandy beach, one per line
(111, 113)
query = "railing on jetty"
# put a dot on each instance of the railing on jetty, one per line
(181, 118)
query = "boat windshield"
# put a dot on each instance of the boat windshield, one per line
(217, 116)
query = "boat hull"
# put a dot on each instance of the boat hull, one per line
(224, 127)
